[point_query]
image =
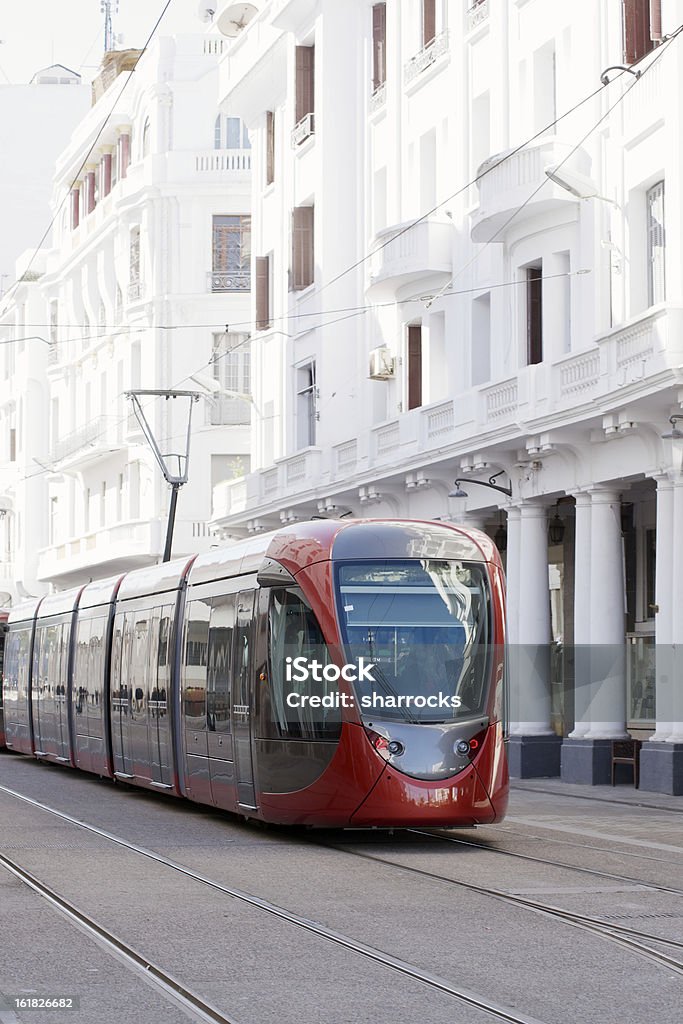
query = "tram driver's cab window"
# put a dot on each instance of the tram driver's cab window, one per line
(295, 639)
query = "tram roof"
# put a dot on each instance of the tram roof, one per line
(57, 604)
(154, 579)
(100, 592)
(25, 610)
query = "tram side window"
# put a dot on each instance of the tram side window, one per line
(138, 681)
(294, 632)
(163, 667)
(95, 680)
(82, 673)
(196, 658)
(219, 667)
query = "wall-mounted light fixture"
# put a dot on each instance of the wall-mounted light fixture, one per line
(674, 434)
(459, 493)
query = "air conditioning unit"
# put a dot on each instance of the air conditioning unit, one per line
(382, 364)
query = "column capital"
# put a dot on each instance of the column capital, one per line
(530, 511)
(604, 495)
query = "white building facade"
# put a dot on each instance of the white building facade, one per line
(146, 285)
(413, 326)
(36, 121)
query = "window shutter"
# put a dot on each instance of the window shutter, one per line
(656, 20)
(637, 35)
(124, 155)
(534, 315)
(414, 366)
(302, 247)
(428, 21)
(106, 174)
(379, 38)
(305, 62)
(75, 207)
(262, 274)
(270, 147)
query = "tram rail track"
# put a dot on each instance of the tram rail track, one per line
(621, 935)
(370, 953)
(170, 986)
(672, 890)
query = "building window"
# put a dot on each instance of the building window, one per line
(414, 366)
(231, 254)
(12, 444)
(264, 312)
(534, 315)
(303, 266)
(306, 413)
(230, 133)
(146, 138)
(232, 372)
(379, 46)
(428, 22)
(75, 208)
(134, 264)
(86, 511)
(642, 28)
(103, 502)
(304, 94)
(270, 147)
(54, 322)
(656, 280)
(54, 513)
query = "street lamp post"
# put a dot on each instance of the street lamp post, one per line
(164, 461)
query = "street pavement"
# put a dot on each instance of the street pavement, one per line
(405, 894)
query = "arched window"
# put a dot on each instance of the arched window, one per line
(146, 139)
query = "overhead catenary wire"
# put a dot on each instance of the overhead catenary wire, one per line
(362, 309)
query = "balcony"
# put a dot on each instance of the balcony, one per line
(509, 182)
(127, 545)
(477, 15)
(134, 291)
(427, 56)
(411, 257)
(303, 130)
(219, 162)
(226, 281)
(87, 443)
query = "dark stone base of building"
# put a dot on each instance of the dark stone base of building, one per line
(534, 757)
(587, 762)
(661, 768)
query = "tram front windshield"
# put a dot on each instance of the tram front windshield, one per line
(424, 626)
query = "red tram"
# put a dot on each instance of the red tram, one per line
(329, 674)
(3, 629)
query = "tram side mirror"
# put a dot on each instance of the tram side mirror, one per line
(272, 574)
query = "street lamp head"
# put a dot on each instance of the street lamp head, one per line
(458, 492)
(674, 434)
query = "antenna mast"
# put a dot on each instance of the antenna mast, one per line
(107, 7)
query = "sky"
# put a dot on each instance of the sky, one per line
(37, 33)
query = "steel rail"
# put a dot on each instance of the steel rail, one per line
(368, 952)
(170, 986)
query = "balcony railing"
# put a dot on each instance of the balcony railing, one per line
(378, 98)
(229, 281)
(92, 434)
(477, 14)
(302, 130)
(134, 290)
(425, 58)
(223, 160)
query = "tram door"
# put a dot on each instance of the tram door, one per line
(243, 656)
(121, 696)
(159, 738)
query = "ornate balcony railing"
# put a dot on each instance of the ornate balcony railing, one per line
(477, 14)
(378, 98)
(302, 130)
(425, 58)
(226, 281)
(134, 290)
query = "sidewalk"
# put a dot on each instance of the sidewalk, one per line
(613, 794)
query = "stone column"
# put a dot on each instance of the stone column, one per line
(572, 749)
(607, 708)
(534, 749)
(582, 614)
(658, 758)
(600, 639)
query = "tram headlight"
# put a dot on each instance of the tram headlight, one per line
(463, 747)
